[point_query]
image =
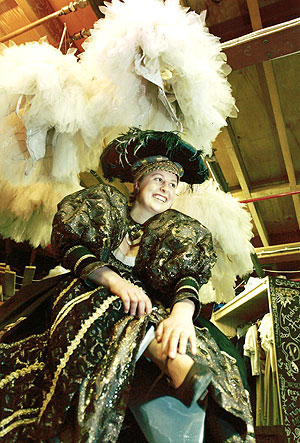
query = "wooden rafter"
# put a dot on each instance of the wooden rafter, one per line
(275, 253)
(229, 143)
(238, 25)
(254, 14)
(278, 116)
(280, 125)
(263, 47)
(265, 191)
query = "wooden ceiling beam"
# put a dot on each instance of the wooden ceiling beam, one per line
(280, 124)
(254, 14)
(281, 129)
(255, 47)
(278, 259)
(256, 24)
(229, 143)
(286, 247)
(278, 12)
(291, 250)
(278, 116)
(236, 157)
(264, 191)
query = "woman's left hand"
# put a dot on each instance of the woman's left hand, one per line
(177, 330)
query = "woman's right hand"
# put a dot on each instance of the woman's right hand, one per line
(134, 298)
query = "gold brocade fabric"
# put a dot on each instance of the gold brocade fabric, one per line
(77, 372)
(89, 350)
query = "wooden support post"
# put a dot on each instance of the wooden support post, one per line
(3, 268)
(29, 272)
(9, 287)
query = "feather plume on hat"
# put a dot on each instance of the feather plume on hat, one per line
(122, 153)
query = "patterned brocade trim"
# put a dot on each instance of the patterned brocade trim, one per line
(24, 421)
(73, 345)
(84, 257)
(187, 283)
(77, 257)
(68, 307)
(24, 340)
(22, 412)
(5, 425)
(71, 250)
(21, 373)
(64, 291)
(188, 288)
(16, 414)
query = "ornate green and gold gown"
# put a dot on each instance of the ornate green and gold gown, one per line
(75, 369)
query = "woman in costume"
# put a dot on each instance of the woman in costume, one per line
(134, 269)
(153, 58)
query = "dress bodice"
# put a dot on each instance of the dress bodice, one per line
(92, 223)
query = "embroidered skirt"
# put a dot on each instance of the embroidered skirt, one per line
(80, 365)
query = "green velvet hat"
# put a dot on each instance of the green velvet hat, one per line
(124, 154)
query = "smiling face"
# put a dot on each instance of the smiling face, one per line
(156, 195)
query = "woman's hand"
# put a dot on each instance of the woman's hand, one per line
(177, 330)
(134, 298)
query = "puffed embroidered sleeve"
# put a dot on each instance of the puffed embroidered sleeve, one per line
(88, 224)
(175, 258)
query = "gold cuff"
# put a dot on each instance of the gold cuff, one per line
(81, 259)
(71, 250)
(192, 288)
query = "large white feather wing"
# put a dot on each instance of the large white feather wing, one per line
(166, 68)
(46, 136)
(149, 63)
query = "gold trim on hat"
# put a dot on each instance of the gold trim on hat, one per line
(162, 165)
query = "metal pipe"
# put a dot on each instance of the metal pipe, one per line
(268, 197)
(81, 34)
(261, 33)
(72, 7)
